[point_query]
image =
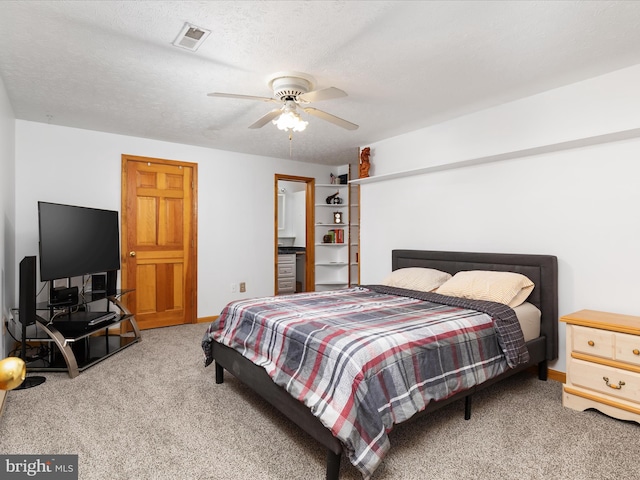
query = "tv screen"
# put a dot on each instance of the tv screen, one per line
(77, 241)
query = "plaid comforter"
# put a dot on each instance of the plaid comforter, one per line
(365, 358)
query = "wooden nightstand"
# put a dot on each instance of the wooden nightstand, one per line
(603, 363)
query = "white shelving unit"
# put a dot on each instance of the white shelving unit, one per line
(331, 258)
(354, 233)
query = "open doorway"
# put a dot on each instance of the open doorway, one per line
(294, 251)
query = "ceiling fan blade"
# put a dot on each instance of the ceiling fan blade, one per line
(330, 118)
(322, 94)
(243, 97)
(262, 121)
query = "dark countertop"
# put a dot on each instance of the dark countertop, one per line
(296, 250)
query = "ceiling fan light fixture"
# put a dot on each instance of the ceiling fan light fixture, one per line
(293, 90)
(290, 120)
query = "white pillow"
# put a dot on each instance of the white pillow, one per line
(503, 287)
(416, 278)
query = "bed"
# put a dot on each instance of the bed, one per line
(309, 410)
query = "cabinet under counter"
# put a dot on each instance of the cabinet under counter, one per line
(286, 273)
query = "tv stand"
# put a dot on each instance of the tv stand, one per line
(80, 344)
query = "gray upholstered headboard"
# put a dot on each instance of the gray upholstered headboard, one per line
(541, 269)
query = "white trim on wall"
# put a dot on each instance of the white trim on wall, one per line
(556, 147)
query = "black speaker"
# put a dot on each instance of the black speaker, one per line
(27, 294)
(112, 280)
(27, 312)
(98, 283)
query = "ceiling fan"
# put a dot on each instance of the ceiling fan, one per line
(294, 90)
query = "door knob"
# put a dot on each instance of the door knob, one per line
(132, 254)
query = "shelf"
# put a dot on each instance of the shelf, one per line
(554, 147)
(71, 328)
(83, 299)
(81, 346)
(333, 262)
(87, 353)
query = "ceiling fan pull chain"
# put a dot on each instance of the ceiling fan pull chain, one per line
(290, 145)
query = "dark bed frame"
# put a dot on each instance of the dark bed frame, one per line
(541, 269)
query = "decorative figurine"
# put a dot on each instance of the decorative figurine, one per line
(364, 162)
(334, 199)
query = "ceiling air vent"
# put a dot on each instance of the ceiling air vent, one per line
(191, 37)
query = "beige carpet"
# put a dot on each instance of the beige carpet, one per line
(153, 412)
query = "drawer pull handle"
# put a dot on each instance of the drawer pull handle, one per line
(636, 351)
(615, 387)
(591, 343)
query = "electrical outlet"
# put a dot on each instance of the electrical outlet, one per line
(243, 287)
(233, 288)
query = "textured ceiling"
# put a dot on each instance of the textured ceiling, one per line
(111, 66)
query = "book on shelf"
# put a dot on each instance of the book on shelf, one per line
(335, 235)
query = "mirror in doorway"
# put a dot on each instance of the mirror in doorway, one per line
(291, 214)
(281, 211)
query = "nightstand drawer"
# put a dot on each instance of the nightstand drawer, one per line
(593, 341)
(603, 363)
(628, 348)
(609, 381)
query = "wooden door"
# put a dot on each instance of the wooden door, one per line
(159, 240)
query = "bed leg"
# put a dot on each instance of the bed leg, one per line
(543, 370)
(333, 465)
(219, 373)
(467, 407)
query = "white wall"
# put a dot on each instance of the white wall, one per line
(7, 203)
(235, 199)
(297, 212)
(599, 106)
(579, 204)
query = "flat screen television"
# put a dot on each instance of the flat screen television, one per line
(77, 241)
